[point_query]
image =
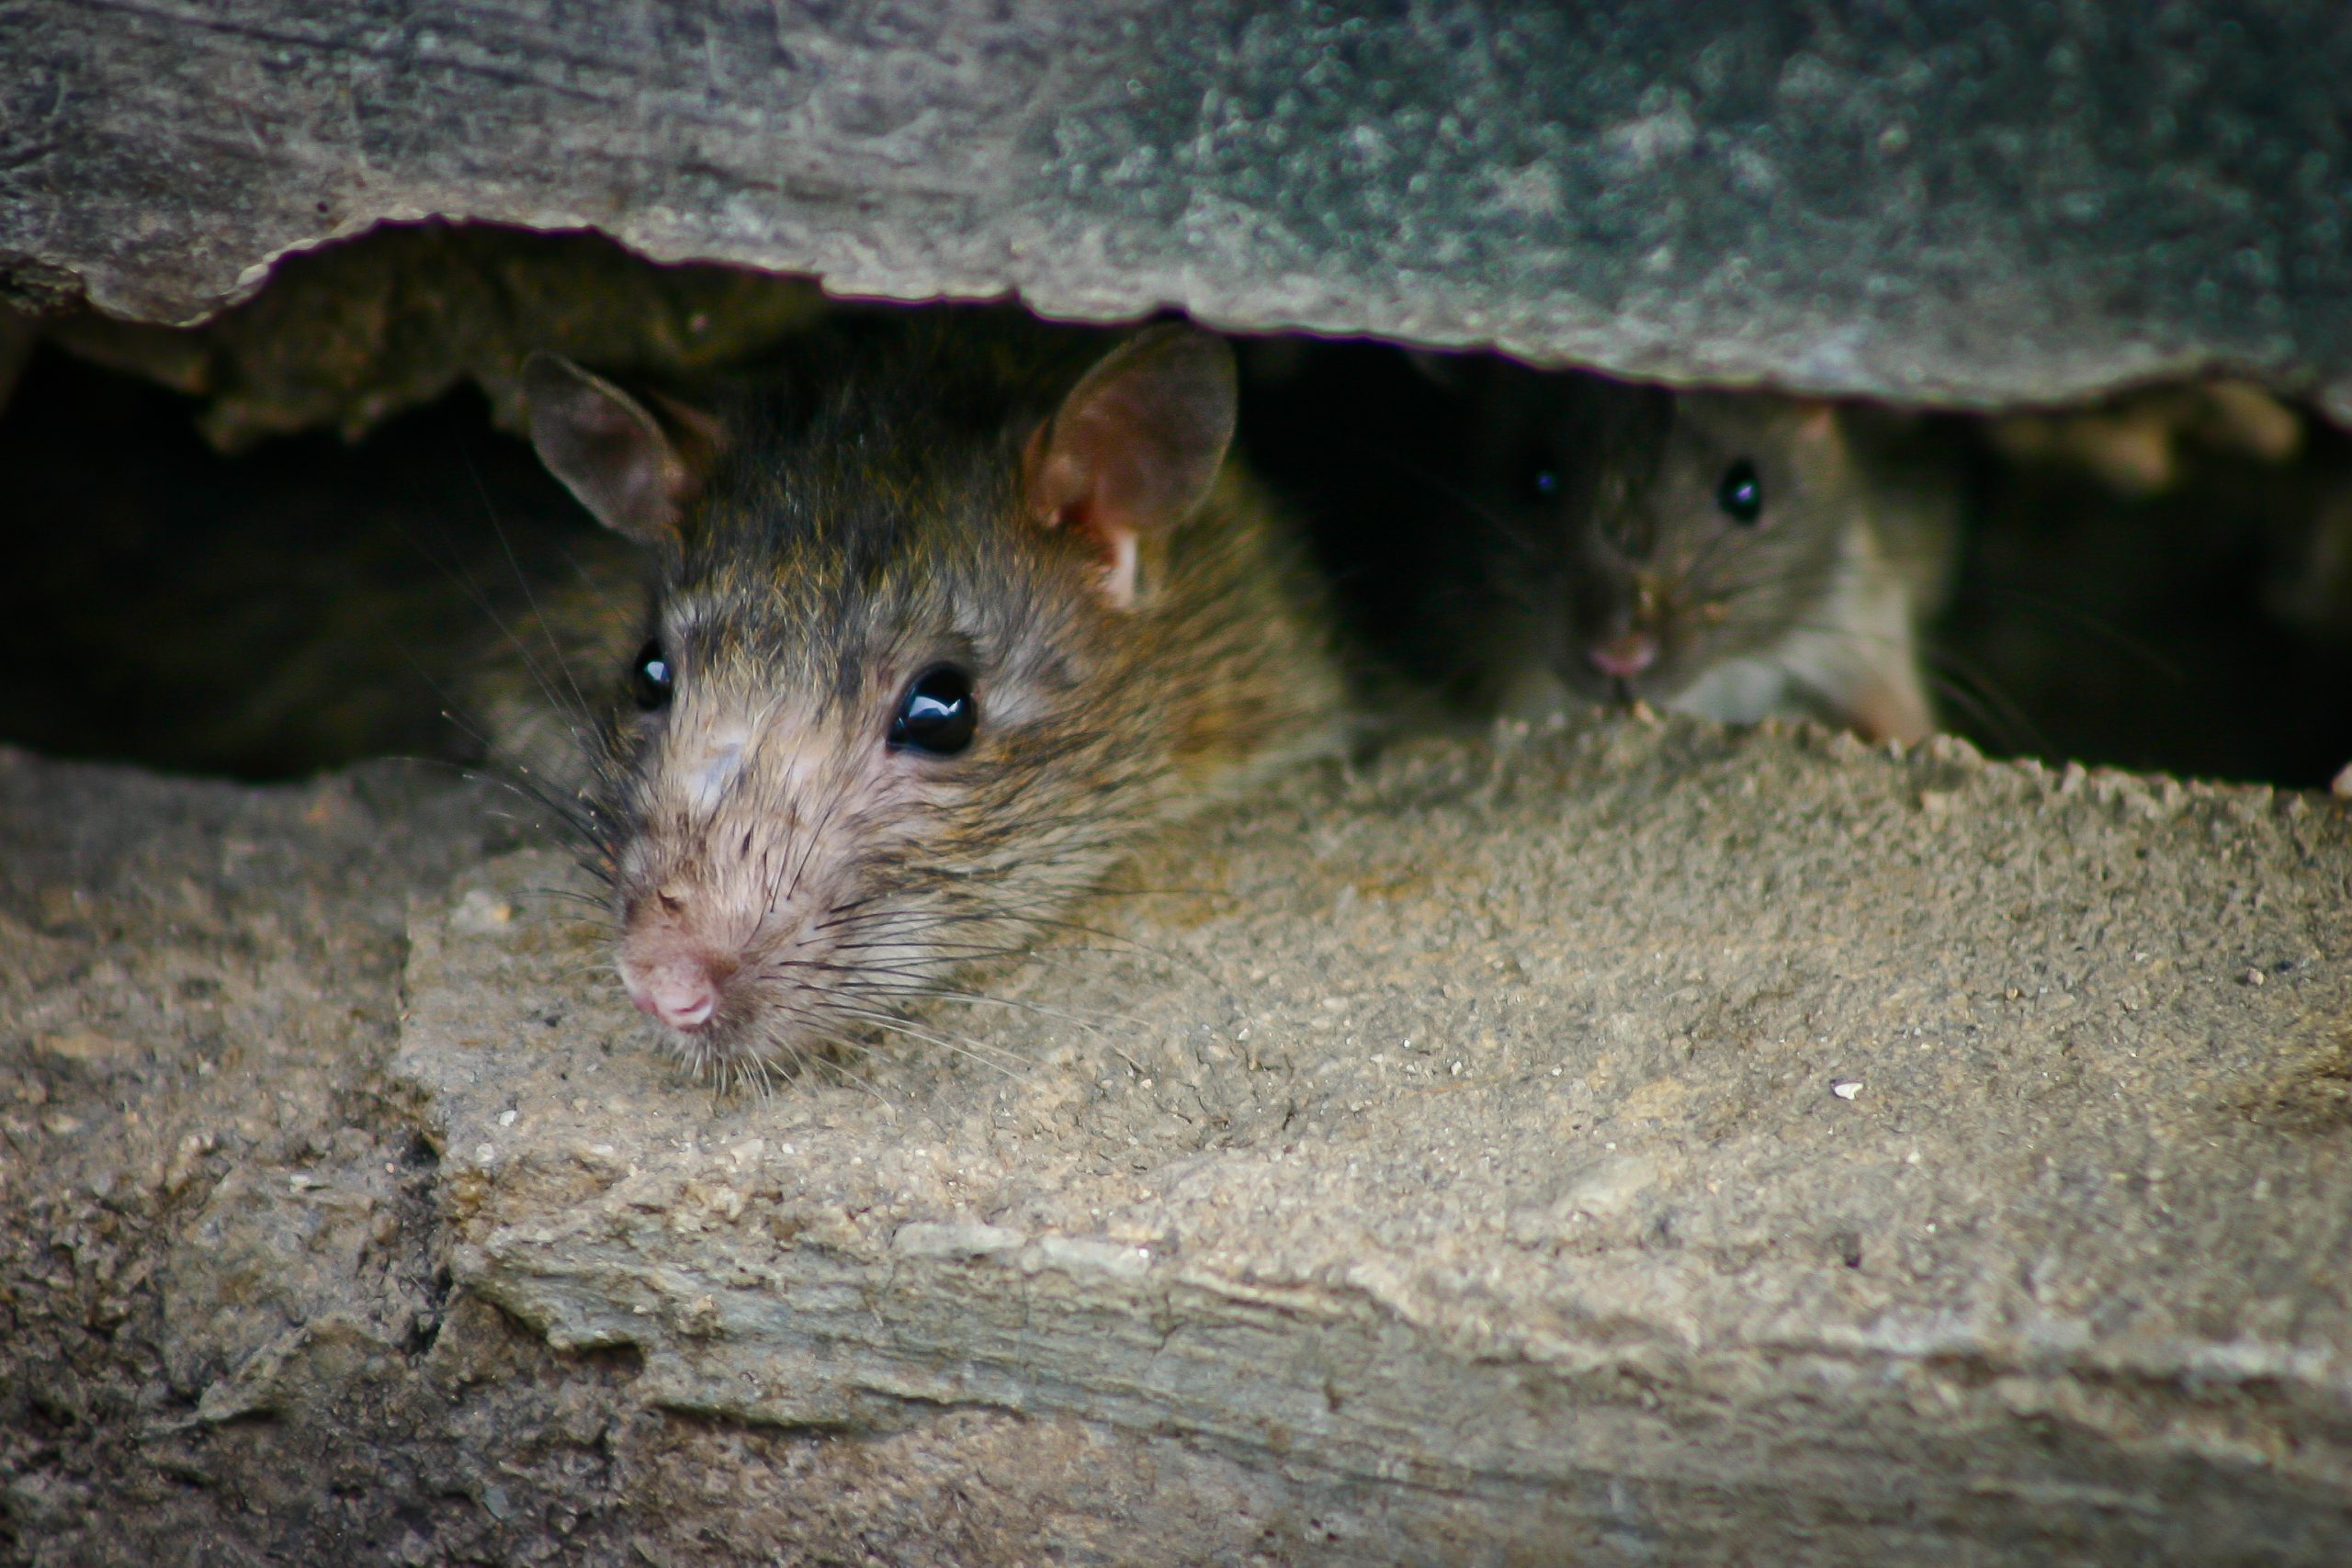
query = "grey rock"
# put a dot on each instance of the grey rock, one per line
(2017, 201)
(352, 333)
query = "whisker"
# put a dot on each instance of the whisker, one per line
(962, 1045)
(523, 579)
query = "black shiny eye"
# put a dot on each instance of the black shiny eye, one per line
(651, 678)
(1741, 495)
(1539, 472)
(938, 713)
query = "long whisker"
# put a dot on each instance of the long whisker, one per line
(530, 596)
(980, 998)
(962, 1045)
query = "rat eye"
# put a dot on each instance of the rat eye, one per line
(1741, 495)
(1539, 476)
(651, 678)
(938, 713)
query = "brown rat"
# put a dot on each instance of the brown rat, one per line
(1732, 554)
(943, 620)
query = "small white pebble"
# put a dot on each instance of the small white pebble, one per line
(485, 1153)
(1845, 1089)
(2253, 976)
(506, 1118)
(2342, 788)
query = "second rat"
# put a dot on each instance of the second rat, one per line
(1730, 554)
(944, 614)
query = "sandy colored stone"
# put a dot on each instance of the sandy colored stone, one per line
(1438, 1161)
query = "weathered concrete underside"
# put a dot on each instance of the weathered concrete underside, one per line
(2030, 201)
(1628, 1144)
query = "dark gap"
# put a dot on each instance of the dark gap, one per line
(310, 603)
(301, 605)
(2203, 630)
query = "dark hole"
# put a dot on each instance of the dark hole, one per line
(2205, 630)
(309, 603)
(301, 605)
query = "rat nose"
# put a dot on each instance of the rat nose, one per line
(1624, 656)
(678, 991)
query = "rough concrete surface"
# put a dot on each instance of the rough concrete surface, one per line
(2004, 201)
(1633, 1142)
(349, 334)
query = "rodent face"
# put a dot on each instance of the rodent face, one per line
(918, 669)
(1658, 534)
(796, 858)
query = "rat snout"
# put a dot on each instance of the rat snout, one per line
(680, 992)
(672, 972)
(1624, 656)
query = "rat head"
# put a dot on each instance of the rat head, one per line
(1655, 535)
(895, 697)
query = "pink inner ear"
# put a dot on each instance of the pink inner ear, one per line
(1135, 446)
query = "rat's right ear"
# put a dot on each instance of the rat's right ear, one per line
(634, 473)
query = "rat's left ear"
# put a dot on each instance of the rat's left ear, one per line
(636, 471)
(1134, 447)
(1816, 419)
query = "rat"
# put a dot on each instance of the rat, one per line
(947, 612)
(1733, 555)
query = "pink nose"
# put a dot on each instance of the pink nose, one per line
(1623, 658)
(679, 992)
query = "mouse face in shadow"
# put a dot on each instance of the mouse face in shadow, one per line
(1647, 537)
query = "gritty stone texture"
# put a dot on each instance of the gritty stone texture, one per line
(349, 334)
(1626, 1143)
(2007, 201)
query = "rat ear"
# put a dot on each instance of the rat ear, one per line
(1449, 371)
(1816, 418)
(634, 473)
(1134, 447)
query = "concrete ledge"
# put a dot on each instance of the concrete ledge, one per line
(1631, 1142)
(1628, 1144)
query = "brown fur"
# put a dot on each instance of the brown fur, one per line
(1808, 609)
(866, 519)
